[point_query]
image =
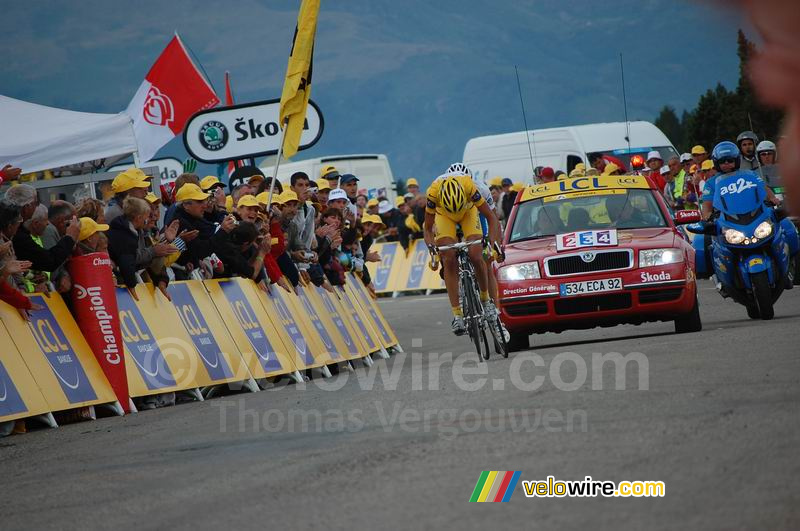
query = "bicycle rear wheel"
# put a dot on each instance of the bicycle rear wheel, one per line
(500, 345)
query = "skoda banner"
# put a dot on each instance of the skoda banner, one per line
(243, 131)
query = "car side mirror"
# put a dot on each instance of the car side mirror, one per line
(702, 227)
(682, 217)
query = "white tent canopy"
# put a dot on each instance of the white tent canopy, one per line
(34, 137)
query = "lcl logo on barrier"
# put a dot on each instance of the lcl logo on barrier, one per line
(59, 354)
(300, 344)
(255, 334)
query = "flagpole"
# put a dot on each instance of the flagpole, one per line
(277, 163)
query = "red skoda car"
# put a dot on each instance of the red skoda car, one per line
(595, 251)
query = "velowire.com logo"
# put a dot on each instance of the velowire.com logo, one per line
(495, 486)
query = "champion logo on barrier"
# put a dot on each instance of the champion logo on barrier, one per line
(255, 333)
(60, 354)
(157, 108)
(494, 486)
(111, 349)
(198, 330)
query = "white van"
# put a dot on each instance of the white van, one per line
(561, 148)
(373, 171)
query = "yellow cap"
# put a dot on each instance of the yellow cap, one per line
(372, 218)
(255, 178)
(264, 196)
(496, 181)
(517, 187)
(247, 201)
(207, 182)
(152, 198)
(288, 195)
(577, 172)
(399, 201)
(322, 185)
(372, 202)
(334, 174)
(89, 227)
(707, 165)
(610, 168)
(412, 182)
(129, 179)
(693, 168)
(698, 150)
(190, 192)
(580, 166)
(229, 203)
(592, 171)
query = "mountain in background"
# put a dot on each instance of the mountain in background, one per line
(414, 80)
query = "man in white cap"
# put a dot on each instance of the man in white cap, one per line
(669, 188)
(654, 163)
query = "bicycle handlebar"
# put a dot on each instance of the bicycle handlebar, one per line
(459, 245)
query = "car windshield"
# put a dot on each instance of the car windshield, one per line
(619, 208)
(625, 155)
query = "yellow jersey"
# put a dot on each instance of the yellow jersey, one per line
(474, 197)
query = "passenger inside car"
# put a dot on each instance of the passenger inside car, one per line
(548, 222)
(578, 220)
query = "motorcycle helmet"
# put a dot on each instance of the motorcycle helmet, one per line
(765, 146)
(724, 151)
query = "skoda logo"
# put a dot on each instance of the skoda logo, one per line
(588, 256)
(213, 135)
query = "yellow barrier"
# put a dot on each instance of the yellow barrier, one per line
(331, 307)
(399, 271)
(159, 356)
(358, 322)
(57, 356)
(255, 336)
(370, 307)
(20, 397)
(221, 358)
(328, 335)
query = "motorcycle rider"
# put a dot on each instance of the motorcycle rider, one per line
(746, 142)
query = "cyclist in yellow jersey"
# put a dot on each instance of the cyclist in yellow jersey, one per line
(454, 200)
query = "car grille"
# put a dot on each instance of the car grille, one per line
(530, 308)
(574, 264)
(593, 303)
(660, 295)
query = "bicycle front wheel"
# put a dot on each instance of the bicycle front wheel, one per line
(473, 315)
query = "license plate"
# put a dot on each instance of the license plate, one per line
(570, 289)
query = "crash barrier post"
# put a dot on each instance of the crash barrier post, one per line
(400, 271)
(57, 358)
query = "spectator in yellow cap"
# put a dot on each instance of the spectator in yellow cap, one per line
(90, 236)
(130, 182)
(331, 174)
(248, 208)
(321, 197)
(699, 155)
(612, 169)
(412, 186)
(372, 206)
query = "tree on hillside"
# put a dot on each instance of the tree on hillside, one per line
(721, 114)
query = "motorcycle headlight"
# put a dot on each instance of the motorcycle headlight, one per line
(526, 271)
(734, 236)
(763, 230)
(658, 257)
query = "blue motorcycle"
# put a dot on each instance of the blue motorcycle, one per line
(753, 248)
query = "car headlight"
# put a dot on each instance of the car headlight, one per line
(658, 257)
(763, 230)
(734, 236)
(526, 271)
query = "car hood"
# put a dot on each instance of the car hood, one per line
(628, 238)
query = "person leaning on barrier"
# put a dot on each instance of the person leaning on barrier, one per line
(24, 196)
(128, 243)
(91, 237)
(190, 209)
(11, 269)
(215, 209)
(183, 179)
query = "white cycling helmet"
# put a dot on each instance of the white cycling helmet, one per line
(766, 145)
(459, 168)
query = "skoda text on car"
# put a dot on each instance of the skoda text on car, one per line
(595, 251)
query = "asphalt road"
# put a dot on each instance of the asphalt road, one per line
(714, 415)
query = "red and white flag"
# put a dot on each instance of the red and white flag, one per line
(173, 90)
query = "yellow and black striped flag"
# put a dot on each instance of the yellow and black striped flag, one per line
(297, 86)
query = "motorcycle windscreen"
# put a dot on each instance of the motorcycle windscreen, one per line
(740, 193)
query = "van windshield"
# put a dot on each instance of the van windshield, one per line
(620, 209)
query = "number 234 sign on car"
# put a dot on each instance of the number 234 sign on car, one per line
(586, 238)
